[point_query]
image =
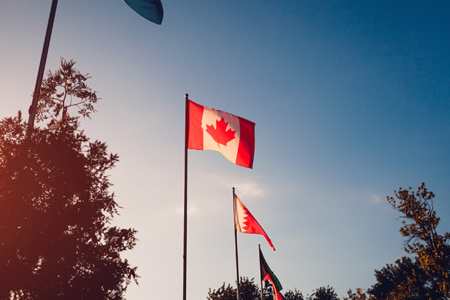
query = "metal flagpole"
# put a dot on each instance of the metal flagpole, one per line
(186, 127)
(260, 274)
(235, 243)
(37, 88)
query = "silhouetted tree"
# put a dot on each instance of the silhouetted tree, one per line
(324, 293)
(223, 293)
(402, 280)
(358, 295)
(293, 295)
(56, 241)
(426, 274)
(249, 290)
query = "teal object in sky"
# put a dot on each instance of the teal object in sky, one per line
(152, 10)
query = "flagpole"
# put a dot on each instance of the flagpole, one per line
(260, 274)
(37, 88)
(235, 243)
(186, 127)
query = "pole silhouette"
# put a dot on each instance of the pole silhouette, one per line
(37, 88)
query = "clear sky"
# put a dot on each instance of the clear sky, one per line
(350, 101)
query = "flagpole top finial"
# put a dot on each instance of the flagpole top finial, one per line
(186, 96)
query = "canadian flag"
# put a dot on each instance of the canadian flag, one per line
(210, 129)
(245, 222)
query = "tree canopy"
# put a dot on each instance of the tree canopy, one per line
(247, 290)
(424, 274)
(56, 240)
(324, 293)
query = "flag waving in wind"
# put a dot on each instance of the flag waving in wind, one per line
(245, 222)
(211, 129)
(152, 10)
(267, 274)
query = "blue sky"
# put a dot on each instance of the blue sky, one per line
(350, 101)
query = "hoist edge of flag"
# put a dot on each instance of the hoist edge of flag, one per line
(195, 133)
(252, 226)
(267, 273)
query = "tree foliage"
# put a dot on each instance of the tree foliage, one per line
(323, 293)
(359, 294)
(402, 280)
(223, 293)
(425, 275)
(63, 89)
(56, 241)
(293, 295)
(249, 290)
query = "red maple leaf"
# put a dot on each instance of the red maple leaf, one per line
(220, 134)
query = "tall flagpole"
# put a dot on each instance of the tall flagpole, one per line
(186, 127)
(260, 274)
(37, 88)
(235, 243)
